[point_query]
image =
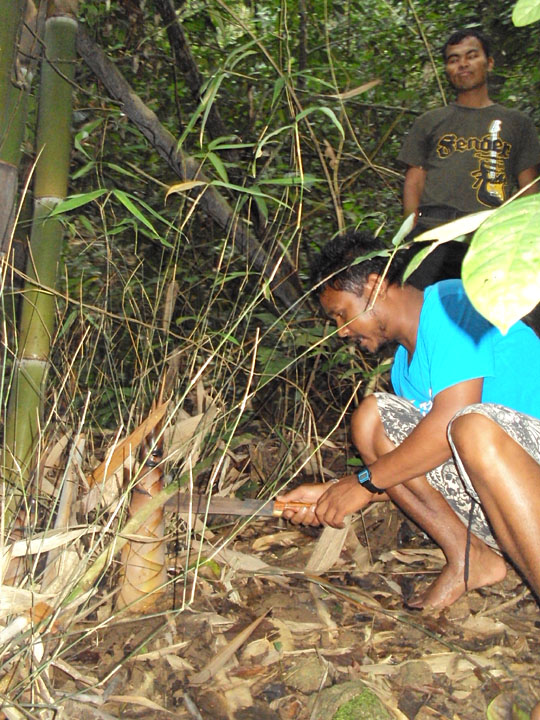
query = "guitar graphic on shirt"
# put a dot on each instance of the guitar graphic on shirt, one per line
(490, 176)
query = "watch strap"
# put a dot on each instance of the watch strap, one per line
(364, 478)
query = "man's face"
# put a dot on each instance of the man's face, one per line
(467, 66)
(357, 318)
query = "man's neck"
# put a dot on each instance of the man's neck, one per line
(477, 98)
(408, 303)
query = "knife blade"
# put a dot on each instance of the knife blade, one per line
(214, 505)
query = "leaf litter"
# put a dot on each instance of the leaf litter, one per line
(265, 626)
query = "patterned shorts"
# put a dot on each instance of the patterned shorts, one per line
(399, 418)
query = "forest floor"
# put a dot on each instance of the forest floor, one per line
(256, 637)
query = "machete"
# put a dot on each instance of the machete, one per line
(214, 505)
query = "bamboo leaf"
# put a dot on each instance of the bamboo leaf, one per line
(348, 94)
(456, 228)
(219, 167)
(184, 187)
(266, 138)
(327, 111)
(75, 201)
(421, 255)
(278, 88)
(526, 12)
(304, 180)
(406, 227)
(262, 207)
(417, 260)
(130, 206)
(253, 190)
(501, 271)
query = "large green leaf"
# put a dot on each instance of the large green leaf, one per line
(526, 12)
(501, 271)
(455, 228)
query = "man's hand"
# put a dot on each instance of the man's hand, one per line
(342, 498)
(328, 503)
(308, 493)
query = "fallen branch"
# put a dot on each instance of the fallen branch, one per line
(187, 168)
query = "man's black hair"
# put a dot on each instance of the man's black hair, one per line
(460, 35)
(346, 262)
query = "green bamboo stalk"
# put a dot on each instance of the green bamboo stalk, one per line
(12, 115)
(50, 187)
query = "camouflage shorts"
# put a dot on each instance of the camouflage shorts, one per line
(399, 417)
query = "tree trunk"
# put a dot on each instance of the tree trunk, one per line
(186, 63)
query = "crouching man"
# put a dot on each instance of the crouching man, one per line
(457, 448)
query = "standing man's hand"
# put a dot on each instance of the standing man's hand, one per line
(327, 504)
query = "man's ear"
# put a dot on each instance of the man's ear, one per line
(375, 285)
(491, 64)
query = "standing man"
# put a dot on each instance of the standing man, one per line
(467, 156)
(457, 447)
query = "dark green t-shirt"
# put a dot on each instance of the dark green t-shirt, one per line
(472, 156)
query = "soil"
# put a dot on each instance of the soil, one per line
(249, 634)
(253, 636)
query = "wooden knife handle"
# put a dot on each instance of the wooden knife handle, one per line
(279, 507)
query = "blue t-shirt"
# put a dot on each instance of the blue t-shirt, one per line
(455, 343)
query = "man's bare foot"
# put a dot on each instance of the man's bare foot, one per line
(486, 567)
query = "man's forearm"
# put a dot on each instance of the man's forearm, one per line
(427, 446)
(526, 177)
(424, 449)
(413, 188)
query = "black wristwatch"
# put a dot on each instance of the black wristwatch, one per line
(364, 478)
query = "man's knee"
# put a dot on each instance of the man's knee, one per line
(474, 437)
(365, 423)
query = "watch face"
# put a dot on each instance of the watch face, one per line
(364, 475)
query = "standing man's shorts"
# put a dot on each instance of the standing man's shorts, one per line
(399, 417)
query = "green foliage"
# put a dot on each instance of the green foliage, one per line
(501, 271)
(526, 12)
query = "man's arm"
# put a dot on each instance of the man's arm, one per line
(427, 445)
(424, 449)
(415, 179)
(527, 176)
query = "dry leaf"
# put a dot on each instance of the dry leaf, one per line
(61, 572)
(328, 549)
(225, 654)
(241, 561)
(178, 663)
(481, 625)
(348, 94)
(285, 636)
(14, 601)
(184, 186)
(127, 448)
(45, 541)
(138, 700)
(408, 557)
(280, 539)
